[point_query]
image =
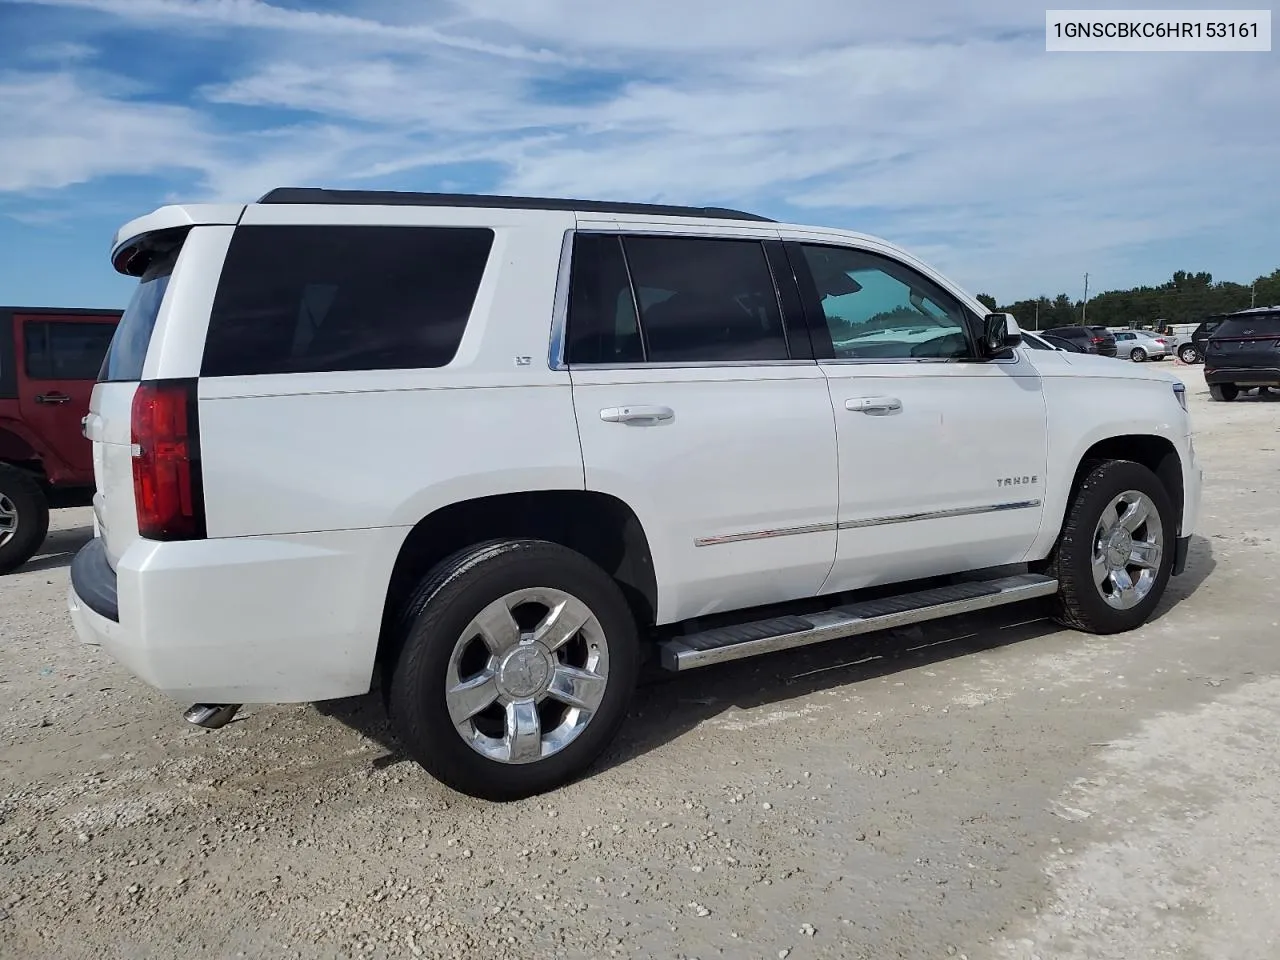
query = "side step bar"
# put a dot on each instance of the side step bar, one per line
(782, 633)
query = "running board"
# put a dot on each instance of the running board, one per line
(782, 633)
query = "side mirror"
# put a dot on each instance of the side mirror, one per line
(1000, 332)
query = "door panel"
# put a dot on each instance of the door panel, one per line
(726, 486)
(694, 408)
(59, 362)
(941, 457)
(950, 480)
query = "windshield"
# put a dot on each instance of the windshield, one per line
(128, 350)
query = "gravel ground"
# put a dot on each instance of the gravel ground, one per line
(985, 787)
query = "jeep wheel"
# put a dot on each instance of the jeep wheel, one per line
(1188, 354)
(518, 662)
(24, 518)
(1116, 550)
(1137, 355)
(1224, 391)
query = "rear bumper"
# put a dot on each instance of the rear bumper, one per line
(281, 619)
(1243, 376)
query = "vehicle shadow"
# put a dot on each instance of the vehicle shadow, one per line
(58, 549)
(666, 705)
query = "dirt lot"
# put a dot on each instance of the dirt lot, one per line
(992, 787)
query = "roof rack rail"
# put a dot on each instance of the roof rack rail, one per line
(395, 198)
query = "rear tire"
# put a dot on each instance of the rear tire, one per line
(1224, 391)
(1092, 562)
(24, 518)
(1188, 354)
(482, 704)
(1138, 355)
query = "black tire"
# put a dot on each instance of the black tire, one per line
(1224, 391)
(1137, 355)
(1079, 603)
(1188, 354)
(437, 615)
(21, 496)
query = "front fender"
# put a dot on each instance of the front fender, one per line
(1086, 411)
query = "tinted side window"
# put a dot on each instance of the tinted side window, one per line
(311, 299)
(705, 300)
(1035, 343)
(877, 308)
(602, 312)
(63, 350)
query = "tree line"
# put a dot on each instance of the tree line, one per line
(1184, 298)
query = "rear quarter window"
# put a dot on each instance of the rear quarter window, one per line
(314, 299)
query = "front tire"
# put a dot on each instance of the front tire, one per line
(24, 518)
(1224, 391)
(1115, 554)
(1188, 354)
(1138, 355)
(517, 665)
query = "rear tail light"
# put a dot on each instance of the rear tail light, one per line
(1096, 340)
(167, 488)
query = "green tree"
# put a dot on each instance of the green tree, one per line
(988, 301)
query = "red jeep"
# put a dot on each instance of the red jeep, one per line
(49, 361)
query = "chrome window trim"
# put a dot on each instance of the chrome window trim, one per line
(868, 522)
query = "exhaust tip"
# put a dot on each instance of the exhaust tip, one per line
(211, 716)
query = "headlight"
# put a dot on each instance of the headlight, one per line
(1180, 391)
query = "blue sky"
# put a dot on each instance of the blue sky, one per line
(942, 126)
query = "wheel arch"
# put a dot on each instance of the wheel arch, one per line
(1157, 453)
(602, 527)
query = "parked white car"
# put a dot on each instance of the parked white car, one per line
(1140, 346)
(497, 450)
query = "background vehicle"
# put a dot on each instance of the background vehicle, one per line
(49, 361)
(1193, 350)
(1037, 341)
(1097, 340)
(1243, 352)
(1138, 346)
(642, 461)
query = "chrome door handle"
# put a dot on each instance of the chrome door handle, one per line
(874, 406)
(636, 414)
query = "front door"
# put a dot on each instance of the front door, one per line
(700, 406)
(58, 362)
(942, 456)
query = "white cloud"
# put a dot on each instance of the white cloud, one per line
(937, 126)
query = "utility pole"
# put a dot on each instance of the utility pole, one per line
(1084, 306)
(1037, 326)
(1253, 294)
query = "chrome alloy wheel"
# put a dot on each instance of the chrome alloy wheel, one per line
(527, 675)
(8, 519)
(1128, 544)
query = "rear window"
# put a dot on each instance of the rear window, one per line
(128, 350)
(312, 299)
(1261, 325)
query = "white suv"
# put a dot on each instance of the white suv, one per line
(496, 450)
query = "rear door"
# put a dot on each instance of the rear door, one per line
(699, 404)
(59, 361)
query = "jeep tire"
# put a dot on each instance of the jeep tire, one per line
(24, 517)
(1224, 391)
(516, 664)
